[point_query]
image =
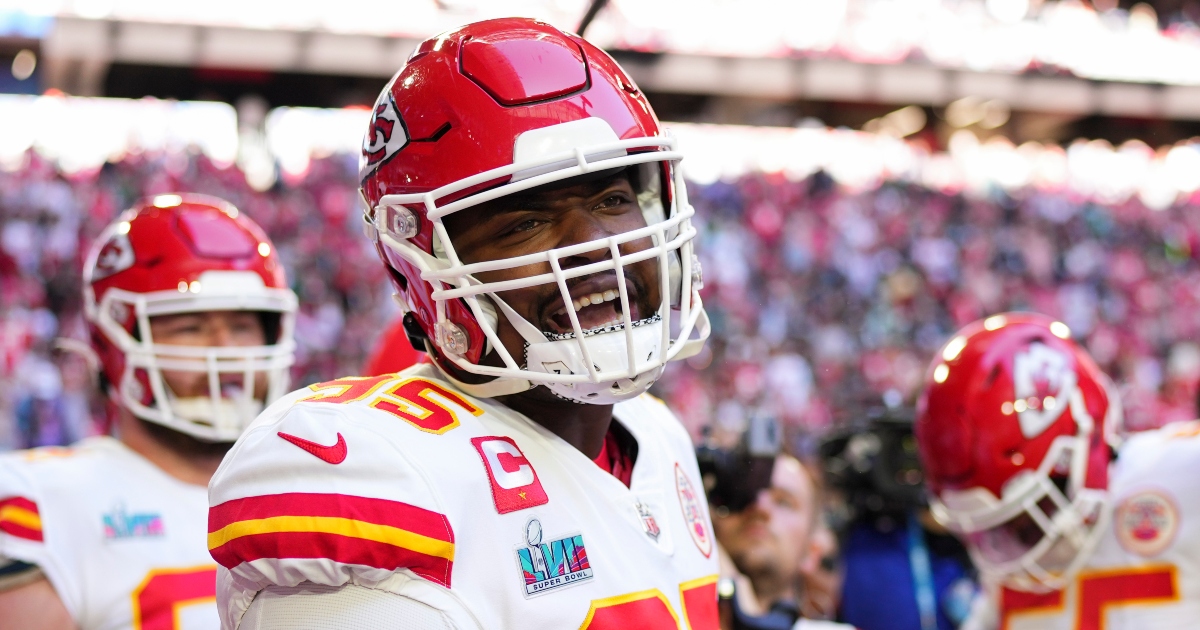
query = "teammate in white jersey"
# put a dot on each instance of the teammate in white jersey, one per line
(191, 321)
(1070, 529)
(533, 220)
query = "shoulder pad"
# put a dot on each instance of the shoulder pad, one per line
(416, 396)
(323, 493)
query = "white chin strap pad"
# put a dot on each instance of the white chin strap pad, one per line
(228, 416)
(609, 353)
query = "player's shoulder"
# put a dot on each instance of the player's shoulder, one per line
(33, 480)
(344, 433)
(1151, 483)
(49, 460)
(342, 473)
(1172, 445)
(648, 415)
(419, 397)
(40, 474)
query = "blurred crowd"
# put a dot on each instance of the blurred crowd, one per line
(824, 302)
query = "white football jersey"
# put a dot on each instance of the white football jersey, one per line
(1145, 572)
(402, 484)
(121, 542)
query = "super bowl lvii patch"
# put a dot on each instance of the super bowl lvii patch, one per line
(551, 565)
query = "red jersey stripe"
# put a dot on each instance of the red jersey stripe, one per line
(19, 517)
(342, 549)
(20, 502)
(378, 511)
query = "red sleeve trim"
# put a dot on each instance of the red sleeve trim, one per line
(19, 517)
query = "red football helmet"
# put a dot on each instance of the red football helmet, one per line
(1016, 432)
(505, 106)
(183, 254)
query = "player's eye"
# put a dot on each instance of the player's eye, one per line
(615, 200)
(521, 226)
(190, 326)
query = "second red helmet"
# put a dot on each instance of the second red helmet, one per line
(1015, 428)
(185, 253)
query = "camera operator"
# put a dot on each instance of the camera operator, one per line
(765, 512)
(902, 570)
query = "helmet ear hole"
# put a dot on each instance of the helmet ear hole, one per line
(412, 329)
(398, 278)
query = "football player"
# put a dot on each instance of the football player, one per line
(1072, 531)
(534, 222)
(191, 319)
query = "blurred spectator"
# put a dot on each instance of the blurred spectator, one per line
(888, 535)
(772, 544)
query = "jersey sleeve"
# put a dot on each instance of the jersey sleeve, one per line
(320, 494)
(23, 540)
(311, 607)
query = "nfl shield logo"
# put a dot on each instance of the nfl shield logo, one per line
(648, 522)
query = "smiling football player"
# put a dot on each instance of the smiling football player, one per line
(534, 223)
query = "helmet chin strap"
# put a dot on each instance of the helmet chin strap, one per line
(528, 331)
(491, 389)
(201, 408)
(496, 386)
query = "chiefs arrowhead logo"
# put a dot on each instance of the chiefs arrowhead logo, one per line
(114, 257)
(1044, 382)
(386, 135)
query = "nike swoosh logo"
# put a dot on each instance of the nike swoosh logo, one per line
(333, 454)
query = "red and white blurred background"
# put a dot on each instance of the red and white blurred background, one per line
(869, 175)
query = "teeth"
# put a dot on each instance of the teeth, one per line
(595, 298)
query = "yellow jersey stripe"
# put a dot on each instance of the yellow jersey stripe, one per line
(352, 528)
(20, 516)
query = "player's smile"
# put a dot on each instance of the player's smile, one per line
(597, 303)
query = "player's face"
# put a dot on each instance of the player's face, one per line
(553, 218)
(211, 329)
(771, 536)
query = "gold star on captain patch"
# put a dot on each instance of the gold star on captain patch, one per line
(522, 495)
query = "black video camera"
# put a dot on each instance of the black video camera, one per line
(877, 467)
(734, 477)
